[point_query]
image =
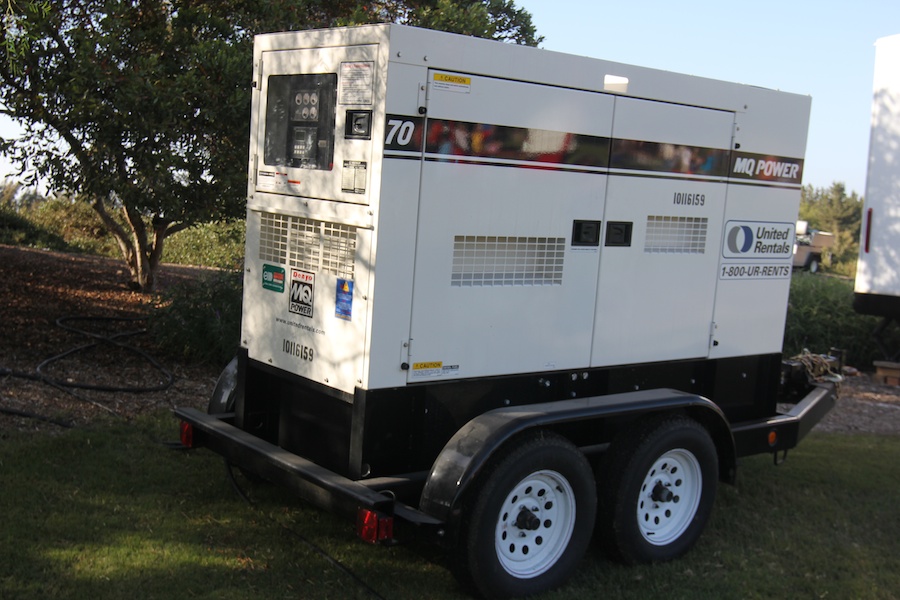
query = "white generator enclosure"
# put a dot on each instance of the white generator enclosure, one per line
(878, 269)
(425, 207)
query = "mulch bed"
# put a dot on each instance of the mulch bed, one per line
(91, 294)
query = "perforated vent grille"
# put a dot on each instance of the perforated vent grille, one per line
(307, 244)
(676, 235)
(505, 261)
(273, 238)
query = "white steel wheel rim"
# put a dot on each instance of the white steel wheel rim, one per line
(535, 524)
(669, 497)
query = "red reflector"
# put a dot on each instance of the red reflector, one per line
(187, 434)
(373, 527)
(773, 437)
(868, 229)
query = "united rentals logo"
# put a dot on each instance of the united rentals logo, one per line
(748, 239)
(302, 293)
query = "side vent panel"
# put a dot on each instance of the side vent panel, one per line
(485, 261)
(308, 244)
(676, 235)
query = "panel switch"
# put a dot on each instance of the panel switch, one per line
(586, 233)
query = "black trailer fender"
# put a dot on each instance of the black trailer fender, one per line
(467, 452)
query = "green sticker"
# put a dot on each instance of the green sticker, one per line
(273, 278)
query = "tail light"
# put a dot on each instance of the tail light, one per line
(374, 527)
(187, 434)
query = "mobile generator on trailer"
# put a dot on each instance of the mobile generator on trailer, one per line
(499, 298)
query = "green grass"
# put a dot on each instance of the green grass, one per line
(111, 512)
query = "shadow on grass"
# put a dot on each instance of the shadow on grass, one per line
(111, 512)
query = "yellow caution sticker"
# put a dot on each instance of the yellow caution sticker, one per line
(421, 366)
(427, 370)
(457, 79)
(449, 82)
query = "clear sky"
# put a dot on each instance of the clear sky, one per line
(824, 49)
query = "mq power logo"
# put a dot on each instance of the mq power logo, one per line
(302, 292)
(754, 239)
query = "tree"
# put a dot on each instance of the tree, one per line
(832, 210)
(140, 106)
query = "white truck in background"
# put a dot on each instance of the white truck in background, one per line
(877, 290)
(495, 296)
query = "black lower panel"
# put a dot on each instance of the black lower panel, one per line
(401, 430)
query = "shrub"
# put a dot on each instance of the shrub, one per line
(76, 223)
(17, 230)
(219, 244)
(821, 316)
(200, 321)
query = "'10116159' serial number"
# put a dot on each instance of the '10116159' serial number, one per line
(298, 350)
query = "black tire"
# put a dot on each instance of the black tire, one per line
(813, 264)
(222, 399)
(657, 490)
(528, 520)
(221, 402)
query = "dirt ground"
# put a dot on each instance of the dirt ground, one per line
(39, 287)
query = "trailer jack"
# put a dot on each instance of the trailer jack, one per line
(779, 461)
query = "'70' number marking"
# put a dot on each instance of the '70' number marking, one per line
(400, 130)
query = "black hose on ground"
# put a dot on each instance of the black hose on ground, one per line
(68, 386)
(108, 339)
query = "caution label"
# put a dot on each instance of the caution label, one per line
(427, 369)
(434, 369)
(448, 82)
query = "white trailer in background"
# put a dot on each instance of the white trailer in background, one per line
(877, 290)
(494, 294)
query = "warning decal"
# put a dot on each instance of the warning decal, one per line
(433, 369)
(353, 177)
(452, 83)
(427, 369)
(357, 83)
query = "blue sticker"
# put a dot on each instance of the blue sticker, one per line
(343, 301)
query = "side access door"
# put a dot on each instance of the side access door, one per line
(512, 195)
(665, 204)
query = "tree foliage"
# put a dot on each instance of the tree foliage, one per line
(141, 106)
(833, 210)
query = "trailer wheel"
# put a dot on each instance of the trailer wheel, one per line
(221, 402)
(222, 399)
(530, 519)
(658, 491)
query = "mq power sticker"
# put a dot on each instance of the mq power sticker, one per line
(302, 293)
